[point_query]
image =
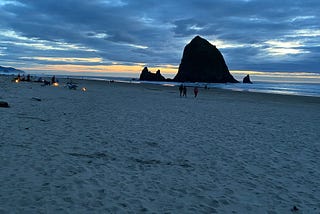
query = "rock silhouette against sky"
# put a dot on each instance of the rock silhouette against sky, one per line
(203, 62)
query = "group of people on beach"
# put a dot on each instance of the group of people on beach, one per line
(40, 79)
(183, 91)
(23, 78)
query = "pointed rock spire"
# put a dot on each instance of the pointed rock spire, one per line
(203, 62)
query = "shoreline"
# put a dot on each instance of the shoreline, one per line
(215, 86)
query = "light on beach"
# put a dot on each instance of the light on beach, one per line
(84, 89)
(17, 81)
(55, 84)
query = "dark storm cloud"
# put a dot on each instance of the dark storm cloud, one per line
(154, 32)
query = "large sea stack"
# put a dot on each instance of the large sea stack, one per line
(146, 75)
(203, 62)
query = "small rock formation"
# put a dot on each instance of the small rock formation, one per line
(36, 99)
(294, 209)
(146, 75)
(4, 104)
(203, 62)
(246, 79)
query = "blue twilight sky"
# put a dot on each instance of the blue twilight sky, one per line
(125, 35)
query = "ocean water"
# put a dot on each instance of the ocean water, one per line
(301, 89)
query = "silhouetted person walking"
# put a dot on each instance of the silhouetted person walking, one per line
(180, 89)
(53, 79)
(184, 91)
(195, 91)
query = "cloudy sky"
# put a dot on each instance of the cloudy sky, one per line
(125, 35)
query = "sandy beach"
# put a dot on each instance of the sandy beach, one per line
(140, 148)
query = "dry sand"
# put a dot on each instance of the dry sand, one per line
(138, 148)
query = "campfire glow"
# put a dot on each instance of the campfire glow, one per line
(55, 84)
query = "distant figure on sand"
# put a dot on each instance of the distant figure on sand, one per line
(53, 79)
(195, 91)
(181, 89)
(45, 82)
(17, 79)
(39, 79)
(184, 91)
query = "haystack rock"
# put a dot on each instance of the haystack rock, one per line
(246, 79)
(203, 62)
(146, 75)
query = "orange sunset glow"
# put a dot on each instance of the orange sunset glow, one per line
(165, 69)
